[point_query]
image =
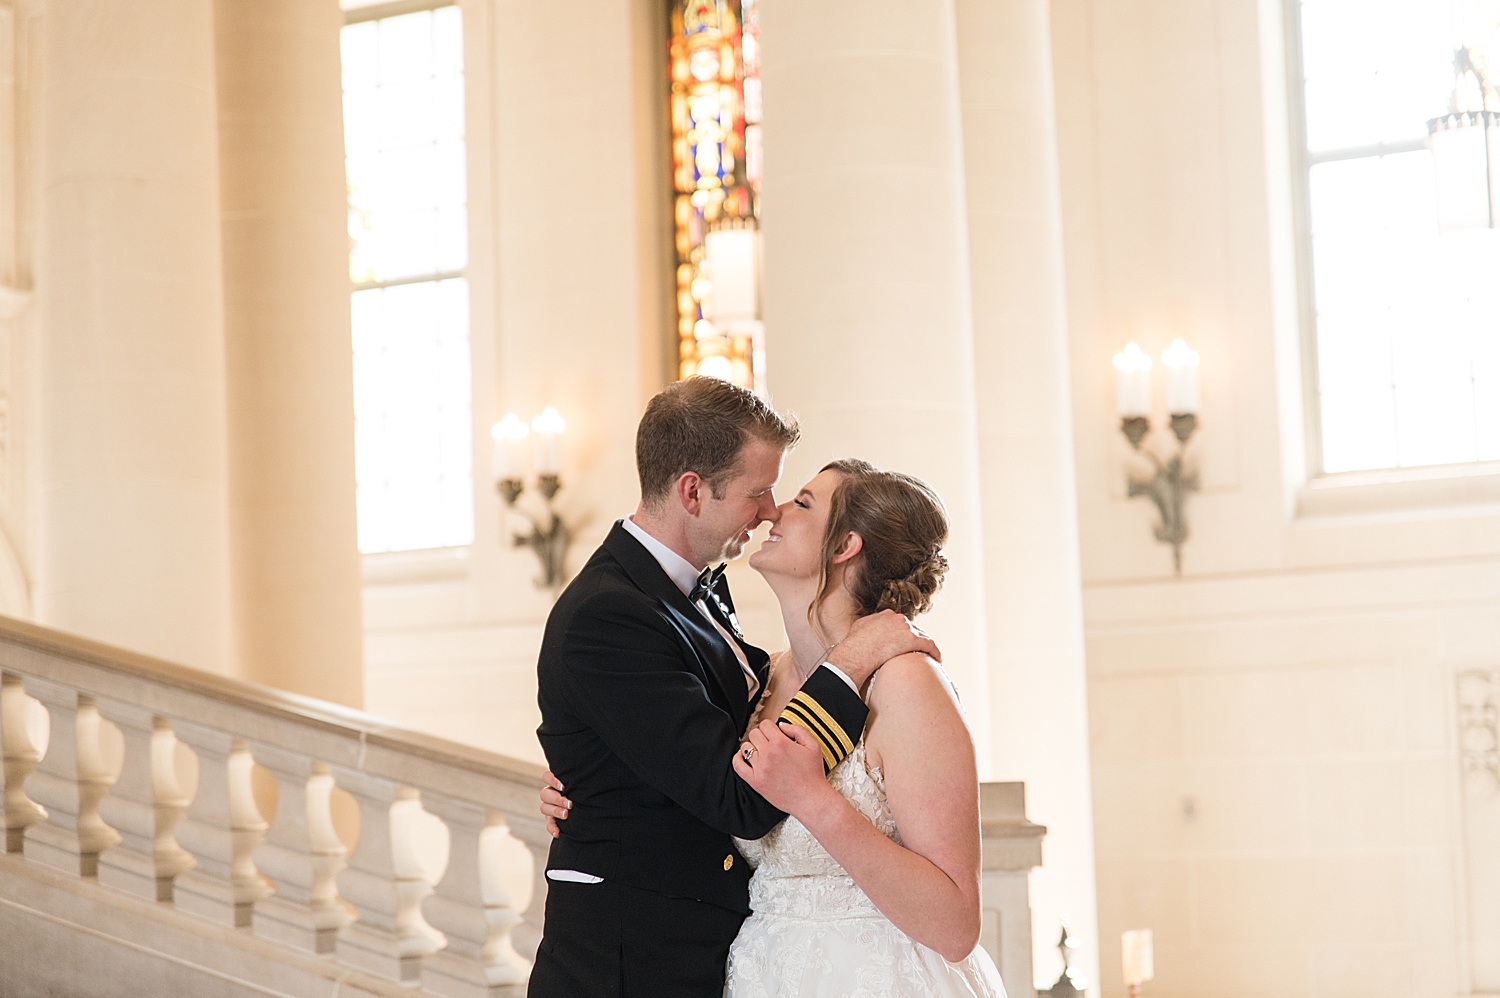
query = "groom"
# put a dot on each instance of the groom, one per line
(646, 684)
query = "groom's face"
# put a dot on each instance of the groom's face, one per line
(724, 525)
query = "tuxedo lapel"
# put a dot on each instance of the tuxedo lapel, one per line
(722, 668)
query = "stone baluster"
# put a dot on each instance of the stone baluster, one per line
(471, 906)
(144, 805)
(222, 829)
(384, 885)
(533, 834)
(68, 782)
(303, 855)
(19, 746)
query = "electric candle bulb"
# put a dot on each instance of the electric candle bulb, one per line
(509, 446)
(548, 427)
(1133, 382)
(1182, 378)
(1136, 956)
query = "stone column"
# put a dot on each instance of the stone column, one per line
(294, 557)
(132, 532)
(1038, 712)
(866, 286)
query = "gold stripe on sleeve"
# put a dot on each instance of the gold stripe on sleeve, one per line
(823, 716)
(792, 715)
(820, 729)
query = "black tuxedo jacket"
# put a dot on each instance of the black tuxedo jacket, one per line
(643, 707)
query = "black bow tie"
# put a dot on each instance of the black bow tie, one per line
(706, 583)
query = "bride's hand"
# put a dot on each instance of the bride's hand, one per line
(555, 806)
(784, 765)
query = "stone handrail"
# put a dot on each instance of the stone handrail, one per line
(121, 808)
(138, 774)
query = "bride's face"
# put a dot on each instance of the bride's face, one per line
(794, 548)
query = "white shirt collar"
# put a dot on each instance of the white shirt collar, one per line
(678, 568)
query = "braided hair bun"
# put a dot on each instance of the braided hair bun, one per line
(912, 594)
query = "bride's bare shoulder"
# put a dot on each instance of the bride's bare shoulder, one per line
(913, 682)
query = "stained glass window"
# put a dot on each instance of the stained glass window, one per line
(1407, 316)
(408, 247)
(716, 165)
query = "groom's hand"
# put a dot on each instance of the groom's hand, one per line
(555, 806)
(874, 641)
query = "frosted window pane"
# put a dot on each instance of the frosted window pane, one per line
(357, 48)
(1376, 69)
(404, 128)
(1358, 429)
(1408, 321)
(412, 438)
(447, 41)
(407, 168)
(406, 47)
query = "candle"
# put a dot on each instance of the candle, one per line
(1135, 956)
(1133, 382)
(1182, 378)
(509, 446)
(548, 427)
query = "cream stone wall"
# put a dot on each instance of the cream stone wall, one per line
(1276, 766)
(132, 523)
(1038, 710)
(295, 562)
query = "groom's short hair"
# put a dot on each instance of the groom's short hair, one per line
(700, 425)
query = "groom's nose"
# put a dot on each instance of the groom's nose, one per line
(768, 511)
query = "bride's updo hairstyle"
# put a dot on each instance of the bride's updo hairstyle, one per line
(903, 525)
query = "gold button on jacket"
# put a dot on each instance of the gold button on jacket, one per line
(729, 861)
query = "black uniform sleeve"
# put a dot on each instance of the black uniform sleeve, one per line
(832, 711)
(621, 668)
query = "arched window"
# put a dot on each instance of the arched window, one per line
(406, 161)
(1400, 307)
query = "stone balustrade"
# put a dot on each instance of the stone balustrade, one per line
(133, 774)
(136, 837)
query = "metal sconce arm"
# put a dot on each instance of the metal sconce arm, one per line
(549, 538)
(1170, 486)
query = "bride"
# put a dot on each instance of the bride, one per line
(871, 886)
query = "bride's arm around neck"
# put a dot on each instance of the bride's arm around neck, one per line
(917, 738)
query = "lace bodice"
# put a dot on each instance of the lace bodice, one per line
(794, 875)
(813, 932)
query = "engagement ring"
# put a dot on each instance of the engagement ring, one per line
(747, 753)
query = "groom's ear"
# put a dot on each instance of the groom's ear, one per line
(689, 490)
(853, 544)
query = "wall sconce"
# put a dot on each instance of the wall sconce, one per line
(1169, 487)
(549, 537)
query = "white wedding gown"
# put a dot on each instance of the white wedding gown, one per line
(814, 934)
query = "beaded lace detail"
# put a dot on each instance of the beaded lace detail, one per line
(794, 875)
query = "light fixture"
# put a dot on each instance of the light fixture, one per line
(1168, 488)
(549, 537)
(1465, 146)
(1136, 959)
